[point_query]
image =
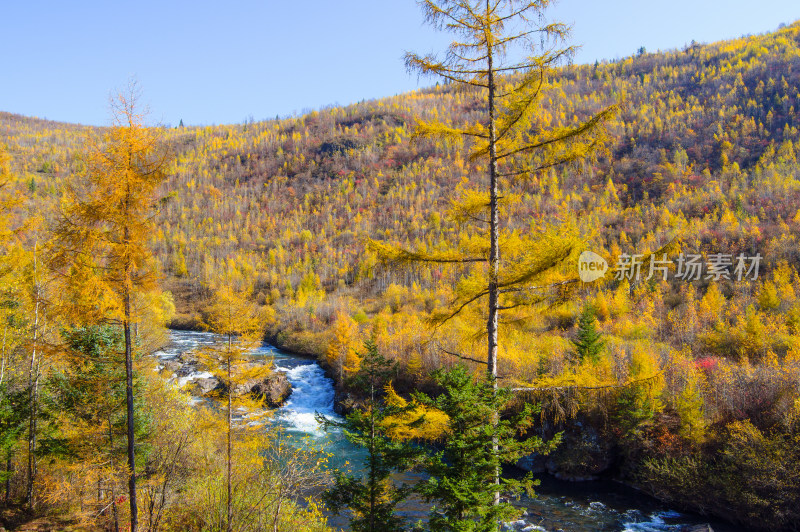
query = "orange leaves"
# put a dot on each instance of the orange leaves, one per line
(101, 241)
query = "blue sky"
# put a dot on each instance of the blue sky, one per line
(213, 62)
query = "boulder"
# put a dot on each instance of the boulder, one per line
(274, 389)
(188, 357)
(533, 463)
(203, 386)
(582, 455)
(184, 370)
(171, 366)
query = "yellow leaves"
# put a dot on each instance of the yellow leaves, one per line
(231, 313)
(711, 306)
(745, 434)
(644, 366)
(437, 129)
(768, 296)
(414, 364)
(417, 422)
(393, 399)
(341, 354)
(690, 407)
(352, 362)
(240, 324)
(620, 303)
(601, 306)
(102, 237)
(753, 338)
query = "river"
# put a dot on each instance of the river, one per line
(570, 507)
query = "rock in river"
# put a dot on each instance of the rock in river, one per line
(274, 388)
(204, 385)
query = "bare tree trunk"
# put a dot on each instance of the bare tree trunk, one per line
(129, 403)
(111, 459)
(126, 295)
(494, 261)
(230, 424)
(9, 470)
(8, 452)
(278, 507)
(3, 366)
(33, 388)
(32, 440)
(373, 488)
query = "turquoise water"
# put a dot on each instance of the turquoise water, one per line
(570, 507)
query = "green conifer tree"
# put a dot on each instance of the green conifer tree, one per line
(588, 341)
(461, 475)
(371, 495)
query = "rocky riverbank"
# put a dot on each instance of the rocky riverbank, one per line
(188, 372)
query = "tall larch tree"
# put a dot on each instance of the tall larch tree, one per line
(101, 248)
(240, 325)
(513, 141)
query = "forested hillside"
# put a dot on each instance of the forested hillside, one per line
(694, 390)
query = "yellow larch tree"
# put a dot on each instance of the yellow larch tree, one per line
(239, 324)
(101, 240)
(341, 355)
(511, 140)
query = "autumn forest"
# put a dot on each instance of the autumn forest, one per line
(429, 251)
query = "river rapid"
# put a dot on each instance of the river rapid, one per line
(570, 507)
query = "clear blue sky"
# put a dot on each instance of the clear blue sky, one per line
(221, 62)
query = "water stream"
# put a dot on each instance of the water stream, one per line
(570, 507)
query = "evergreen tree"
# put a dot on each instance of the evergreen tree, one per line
(370, 494)
(588, 341)
(89, 388)
(461, 482)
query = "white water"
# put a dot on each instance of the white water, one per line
(312, 393)
(655, 522)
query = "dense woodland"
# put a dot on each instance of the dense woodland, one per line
(689, 389)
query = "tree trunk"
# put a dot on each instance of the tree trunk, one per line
(373, 488)
(230, 425)
(8, 452)
(3, 366)
(33, 428)
(113, 494)
(129, 403)
(494, 262)
(9, 470)
(33, 388)
(278, 507)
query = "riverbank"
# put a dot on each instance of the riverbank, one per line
(578, 507)
(593, 450)
(182, 366)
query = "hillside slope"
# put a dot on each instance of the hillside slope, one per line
(703, 154)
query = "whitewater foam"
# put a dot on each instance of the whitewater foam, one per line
(656, 523)
(312, 393)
